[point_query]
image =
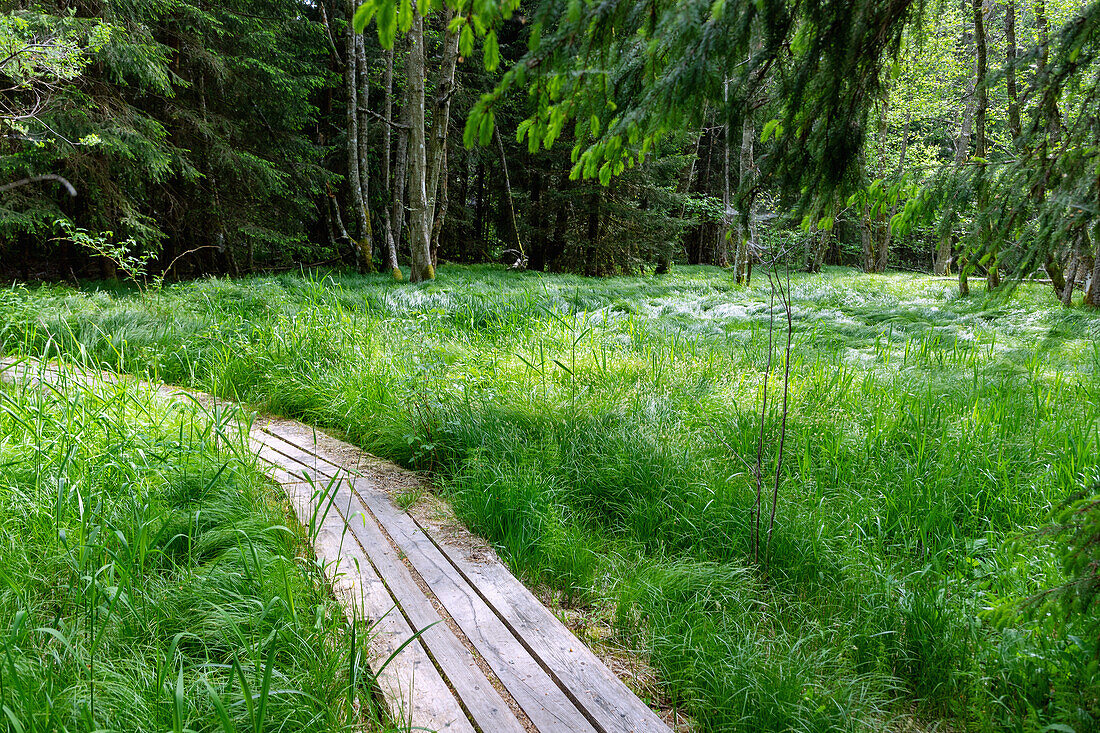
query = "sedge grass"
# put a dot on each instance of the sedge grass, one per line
(149, 580)
(601, 434)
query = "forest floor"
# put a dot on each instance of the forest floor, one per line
(602, 434)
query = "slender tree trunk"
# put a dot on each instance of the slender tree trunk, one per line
(1010, 70)
(1092, 290)
(746, 235)
(387, 160)
(821, 243)
(521, 257)
(355, 188)
(875, 262)
(420, 246)
(664, 265)
(1071, 274)
(1056, 274)
(366, 244)
(400, 178)
(946, 247)
(983, 242)
(724, 231)
(883, 259)
(442, 202)
(441, 112)
(868, 240)
(1050, 98)
(706, 257)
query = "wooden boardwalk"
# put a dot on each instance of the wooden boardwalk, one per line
(488, 656)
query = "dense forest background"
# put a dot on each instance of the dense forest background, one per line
(227, 137)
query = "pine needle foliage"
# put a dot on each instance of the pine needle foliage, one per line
(189, 128)
(628, 73)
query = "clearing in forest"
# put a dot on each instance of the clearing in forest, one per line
(602, 436)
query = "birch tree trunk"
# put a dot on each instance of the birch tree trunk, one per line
(363, 134)
(419, 212)
(355, 190)
(387, 159)
(521, 256)
(441, 113)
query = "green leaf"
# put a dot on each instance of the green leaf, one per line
(594, 125)
(769, 128)
(469, 133)
(492, 51)
(523, 128)
(466, 41)
(605, 174)
(405, 16)
(387, 22)
(364, 15)
(485, 129)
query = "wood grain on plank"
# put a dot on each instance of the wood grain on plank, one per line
(597, 689)
(415, 694)
(477, 694)
(549, 708)
(605, 699)
(535, 691)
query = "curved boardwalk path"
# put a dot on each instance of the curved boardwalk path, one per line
(489, 656)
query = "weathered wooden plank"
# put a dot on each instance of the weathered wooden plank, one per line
(415, 693)
(539, 696)
(477, 694)
(549, 708)
(606, 699)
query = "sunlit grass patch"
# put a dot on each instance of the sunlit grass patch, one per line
(150, 579)
(601, 434)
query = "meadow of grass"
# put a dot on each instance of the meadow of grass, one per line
(602, 434)
(149, 580)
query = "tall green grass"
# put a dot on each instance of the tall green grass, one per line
(601, 433)
(149, 580)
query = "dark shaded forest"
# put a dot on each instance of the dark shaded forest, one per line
(267, 135)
